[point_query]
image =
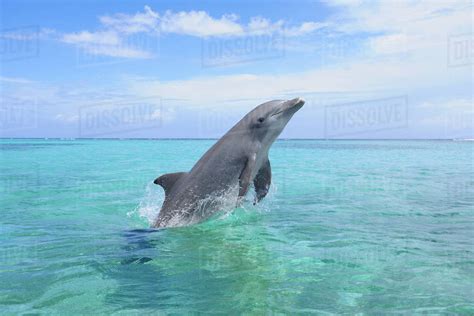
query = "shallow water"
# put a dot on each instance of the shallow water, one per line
(348, 227)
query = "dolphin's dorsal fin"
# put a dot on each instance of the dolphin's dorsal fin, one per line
(168, 180)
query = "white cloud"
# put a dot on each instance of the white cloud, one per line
(27, 33)
(122, 35)
(115, 29)
(132, 23)
(408, 52)
(418, 30)
(109, 43)
(96, 38)
(199, 23)
(118, 51)
(15, 80)
(416, 24)
(165, 115)
(397, 16)
(389, 44)
(366, 75)
(452, 118)
(260, 25)
(305, 28)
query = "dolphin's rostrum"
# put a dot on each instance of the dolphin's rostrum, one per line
(225, 172)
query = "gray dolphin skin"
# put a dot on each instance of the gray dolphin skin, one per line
(223, 175)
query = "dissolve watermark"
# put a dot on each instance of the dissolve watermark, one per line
(365, 116)
(222, 51)
(14, 255)
(458, 191)
(209, 262)
(17, 115)
(215, 123)
(20, 182)
(460, 50)
(121, 187)
(119, 50)
(329, 51)
(117, 117)
(19, 43)
(459, 125)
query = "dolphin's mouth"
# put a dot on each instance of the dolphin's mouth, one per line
(297, 102)
(293, 104)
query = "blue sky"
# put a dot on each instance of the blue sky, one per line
(392, 69)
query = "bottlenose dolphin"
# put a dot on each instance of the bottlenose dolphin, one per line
(223, 175)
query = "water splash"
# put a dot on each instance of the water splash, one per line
(219, 206)
(220, 202)
(150, 205)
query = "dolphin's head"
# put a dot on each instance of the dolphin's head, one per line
(268, 120)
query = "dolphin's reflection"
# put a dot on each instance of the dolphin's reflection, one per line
(138, 240)
(225, 265)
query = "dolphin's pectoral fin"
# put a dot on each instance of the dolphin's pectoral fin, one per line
(262, 181)
(245, 176)
(168, 180)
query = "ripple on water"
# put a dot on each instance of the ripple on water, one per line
(368, 227)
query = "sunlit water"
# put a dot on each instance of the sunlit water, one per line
(348, 227)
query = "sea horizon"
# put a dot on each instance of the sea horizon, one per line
(217, 138)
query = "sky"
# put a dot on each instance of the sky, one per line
(181, 69)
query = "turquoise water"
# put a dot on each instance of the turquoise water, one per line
(349, 227)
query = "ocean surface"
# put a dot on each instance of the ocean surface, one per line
(368, 227)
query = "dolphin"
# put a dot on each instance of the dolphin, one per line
(223, 175)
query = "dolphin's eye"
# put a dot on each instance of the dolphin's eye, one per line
(260, 120)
